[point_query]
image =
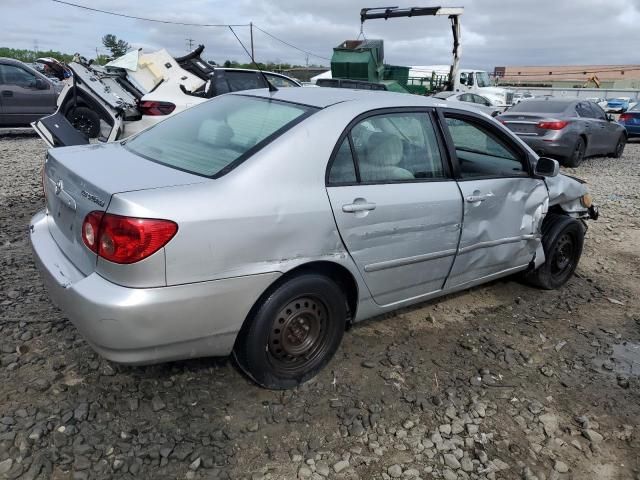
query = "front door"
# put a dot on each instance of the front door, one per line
(503, 204)
(397, 209)
(22, 100)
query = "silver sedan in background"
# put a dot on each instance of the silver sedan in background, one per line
(472, 99)
(568, 130)
(262, 223)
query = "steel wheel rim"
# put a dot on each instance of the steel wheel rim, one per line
(298, 334)
(82, 123)
(563, 253)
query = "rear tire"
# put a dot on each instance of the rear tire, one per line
(622, 142)
(576, 157)
(85, 120)
(562, 241)
(292, 332)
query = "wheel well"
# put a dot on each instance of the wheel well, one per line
(586, 140)
(336, 272)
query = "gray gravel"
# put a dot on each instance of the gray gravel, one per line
(502, 382)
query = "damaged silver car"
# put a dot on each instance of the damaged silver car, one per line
(261, 224)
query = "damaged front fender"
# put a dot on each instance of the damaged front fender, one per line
(571, 195)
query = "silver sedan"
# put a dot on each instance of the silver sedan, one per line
(262, 224)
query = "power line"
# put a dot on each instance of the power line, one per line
(289, 44)
(151, 19)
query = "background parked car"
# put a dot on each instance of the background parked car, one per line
(618, 105)
(630, 120)
(518, 97)
(25, 94)
(602, 102)
(474, 100)
(568, 130)
(138, 90)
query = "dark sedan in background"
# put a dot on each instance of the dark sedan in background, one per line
(25, 94)
(630, 120)
(568, 130)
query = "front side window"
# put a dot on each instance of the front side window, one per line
(211, 138)
(480, 152)
(12, 75)
(483, 79)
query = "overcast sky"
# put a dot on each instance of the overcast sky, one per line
(494, 32)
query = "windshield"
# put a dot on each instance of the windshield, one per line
(214, 137)
(635, 108)
(539, 106)
(483, 79)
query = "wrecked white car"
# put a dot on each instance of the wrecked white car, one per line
(138, 90)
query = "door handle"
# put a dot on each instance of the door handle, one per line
(358, 207)
(478, 198)
(7, 93)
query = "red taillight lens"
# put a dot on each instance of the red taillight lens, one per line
(125, 239)
(156, 108)
(554, 125)
(90, 229)
(624, 117)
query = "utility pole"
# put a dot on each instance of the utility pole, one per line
(190, 42)
(253, 58)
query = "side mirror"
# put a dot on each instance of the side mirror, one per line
(42, 84)
(547, 167)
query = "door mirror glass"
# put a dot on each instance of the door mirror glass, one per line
(547, 167)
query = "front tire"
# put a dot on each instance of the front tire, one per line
(576, 157)
(562, 241)
(293, 332)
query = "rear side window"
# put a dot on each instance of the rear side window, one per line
(584, 110)
(210, 139)
(539, 106)
(390, 147)
(481, 153)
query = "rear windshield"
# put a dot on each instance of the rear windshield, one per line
(540, 106)
(214, 137)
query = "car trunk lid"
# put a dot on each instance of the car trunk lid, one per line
(526, 124)
(78, 180)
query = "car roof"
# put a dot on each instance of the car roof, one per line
(11, 61)
(322, 97)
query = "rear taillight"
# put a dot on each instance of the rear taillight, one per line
(125, 239)
(156, 108)
(553, 125)
(624, 117)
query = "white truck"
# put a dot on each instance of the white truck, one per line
(469, 80)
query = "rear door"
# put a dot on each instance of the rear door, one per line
(395, 204)
(503, 204)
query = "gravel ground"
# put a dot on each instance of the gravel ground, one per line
(501, 382)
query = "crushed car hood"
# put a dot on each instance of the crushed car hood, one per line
(565, 189)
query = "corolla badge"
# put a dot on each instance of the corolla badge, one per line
(92, 197)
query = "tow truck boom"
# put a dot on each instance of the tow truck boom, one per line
(452, 12)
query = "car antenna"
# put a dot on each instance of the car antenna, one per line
(272, 87)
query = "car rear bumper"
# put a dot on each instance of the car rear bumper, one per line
(146, 325)
(548, 148)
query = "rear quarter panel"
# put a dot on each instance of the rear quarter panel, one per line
(270, 213)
